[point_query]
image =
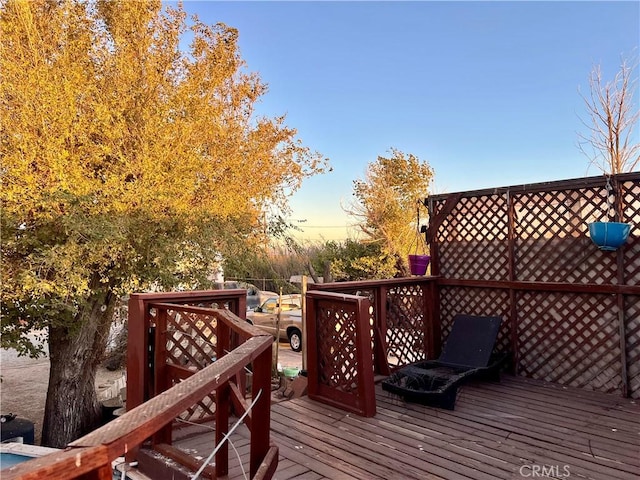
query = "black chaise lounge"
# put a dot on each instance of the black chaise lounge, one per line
(467, 354)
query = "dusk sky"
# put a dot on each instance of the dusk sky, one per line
(486, 92)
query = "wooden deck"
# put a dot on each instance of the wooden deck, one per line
(514, 429)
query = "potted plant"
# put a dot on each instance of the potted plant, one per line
(418, 263)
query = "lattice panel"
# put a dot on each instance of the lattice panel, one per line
(571, 339)
(552, 241)
(631, 201)
(336, 336)
(476, 301)
(473, 239)
(191, 342)
(371, 295)
(632, 308)
(405, 325)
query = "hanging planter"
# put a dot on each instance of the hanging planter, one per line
(418, 262)
(608, 236)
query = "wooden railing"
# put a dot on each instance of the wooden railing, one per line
(178, 391)
(358, 329)
(142, 328)
(339, 352)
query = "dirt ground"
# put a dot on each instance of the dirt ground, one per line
(23, 389)
(24, 383)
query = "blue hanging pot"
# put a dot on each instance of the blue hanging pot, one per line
(609, 236)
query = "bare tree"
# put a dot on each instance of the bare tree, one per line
(609, 143)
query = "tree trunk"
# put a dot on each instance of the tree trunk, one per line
(72, 408)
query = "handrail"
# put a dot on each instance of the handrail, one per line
(139, 376)
(134, 426)
(90, 457)
(393, 302)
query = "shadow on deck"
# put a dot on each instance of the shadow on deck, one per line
(518, 428)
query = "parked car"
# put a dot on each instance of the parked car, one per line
(255, 296)
(265, 316)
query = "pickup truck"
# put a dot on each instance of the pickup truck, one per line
(265, 318)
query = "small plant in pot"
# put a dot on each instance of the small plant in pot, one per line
(418, 263)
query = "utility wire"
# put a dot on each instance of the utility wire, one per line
(225, 438)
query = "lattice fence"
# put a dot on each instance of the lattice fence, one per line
(337, 359)
(191, 343)
(340, 358)
(187, 340)
(632, 308)
(405, 333)
(524, 253)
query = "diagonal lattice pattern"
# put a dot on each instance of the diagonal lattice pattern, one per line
(551, 241)
(630, 198)
(336, 336)
(570, 339)
(632, 309)
(465, 235)
(191, 342)
(476, 301)
(405, 324)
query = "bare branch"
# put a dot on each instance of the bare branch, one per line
(609, 143)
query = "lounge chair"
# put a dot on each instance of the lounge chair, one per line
(467, 354)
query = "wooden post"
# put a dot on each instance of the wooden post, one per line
(138, 377)
(223, 403)
(303, 305)
(622, 322)
(261, 413)
(513, 310)
(366, 385)
(161, 382)
(278, 310)
(380, 351)
(312, 347)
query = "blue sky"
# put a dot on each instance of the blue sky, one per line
(486, 92)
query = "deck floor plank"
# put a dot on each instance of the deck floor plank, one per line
(496, 430)
(601, 415)
(393, 450)
(534, 443)
(587, 431)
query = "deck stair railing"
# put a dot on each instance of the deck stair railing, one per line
(201, 378)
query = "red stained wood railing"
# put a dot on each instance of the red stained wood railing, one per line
(178, 388)
(358, 329)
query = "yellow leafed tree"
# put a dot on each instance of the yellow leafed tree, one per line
(128, 159)
(387, 203)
